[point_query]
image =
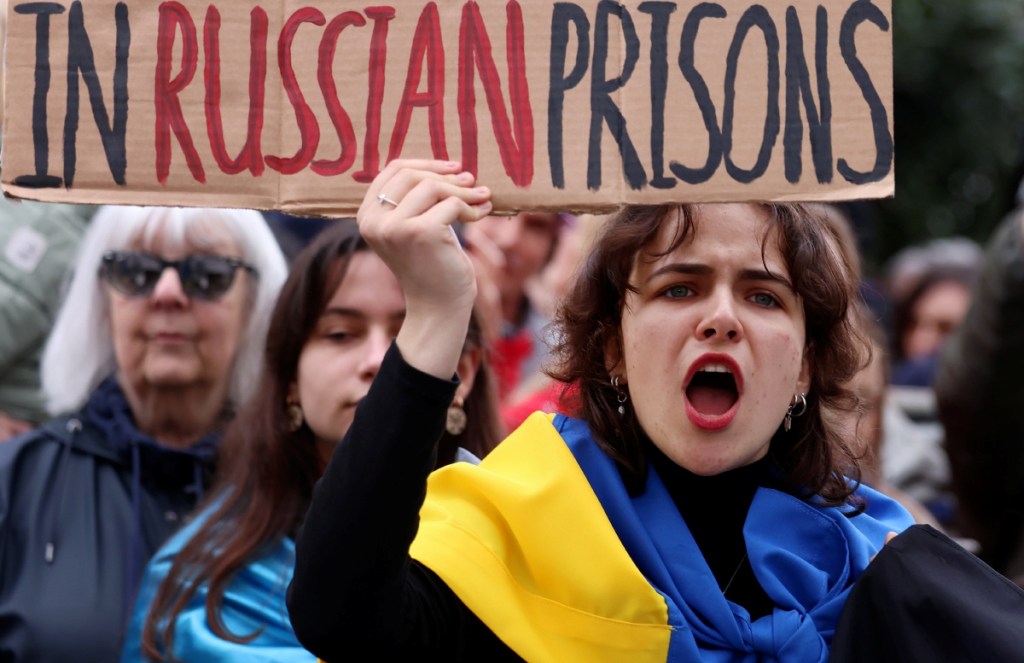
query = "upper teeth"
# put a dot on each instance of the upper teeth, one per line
(714, 368)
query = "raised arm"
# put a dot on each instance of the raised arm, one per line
(355, 586)
(416, 240)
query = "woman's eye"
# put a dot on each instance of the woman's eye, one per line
(764, 299)
(338, 335)
(678, 291)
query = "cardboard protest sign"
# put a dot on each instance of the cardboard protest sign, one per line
(580, 105)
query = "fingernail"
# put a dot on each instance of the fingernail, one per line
(482, 189)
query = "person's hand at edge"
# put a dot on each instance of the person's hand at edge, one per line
(11, 427)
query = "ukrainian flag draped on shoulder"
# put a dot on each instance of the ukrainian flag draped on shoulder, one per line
(543, 543)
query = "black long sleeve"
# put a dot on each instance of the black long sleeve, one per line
(355, 587)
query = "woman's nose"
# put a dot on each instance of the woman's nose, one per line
(168, 289)
(377, 344)
(509, 232)
(721, 319)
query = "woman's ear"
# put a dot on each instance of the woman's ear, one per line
(469, 365)
(803, 383)
(613, 360)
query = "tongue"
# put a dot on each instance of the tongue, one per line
(711, 400)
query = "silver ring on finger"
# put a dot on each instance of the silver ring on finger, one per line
(385, 199)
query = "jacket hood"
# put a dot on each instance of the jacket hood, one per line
(109, 411)
(149, 463)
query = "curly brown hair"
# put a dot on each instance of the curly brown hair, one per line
(813, 458)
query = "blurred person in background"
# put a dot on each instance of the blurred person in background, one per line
(216, 590)
(980, 391)
(930, 288)
(37, 244)
(865, 424)
(156, 343)
(512, 250)
(908, 267)
(902, 457)
(538, 391)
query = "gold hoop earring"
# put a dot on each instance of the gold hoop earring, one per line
(456, 421)
(295, 416)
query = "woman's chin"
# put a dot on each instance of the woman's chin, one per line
(707, 466)
(172, 375)
(711, 468)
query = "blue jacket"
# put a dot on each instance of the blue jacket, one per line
(80, 514)
(254, 602)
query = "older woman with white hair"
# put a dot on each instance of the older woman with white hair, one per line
(155, 345)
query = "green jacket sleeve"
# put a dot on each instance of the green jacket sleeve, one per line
(37, 246)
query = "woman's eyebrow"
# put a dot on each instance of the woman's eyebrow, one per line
(342, 312)
(700, 269)
(765, 275)
(690, 268)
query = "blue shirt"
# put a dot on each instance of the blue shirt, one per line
(254, 601)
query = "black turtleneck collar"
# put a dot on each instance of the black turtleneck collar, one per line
(715, 509)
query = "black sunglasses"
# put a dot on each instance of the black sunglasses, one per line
(203, 276)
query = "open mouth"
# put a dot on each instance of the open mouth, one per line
(712, 390)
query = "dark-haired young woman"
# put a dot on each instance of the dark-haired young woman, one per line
(696, 507)
(216, 591)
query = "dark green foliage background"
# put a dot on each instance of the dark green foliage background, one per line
(959, 117)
